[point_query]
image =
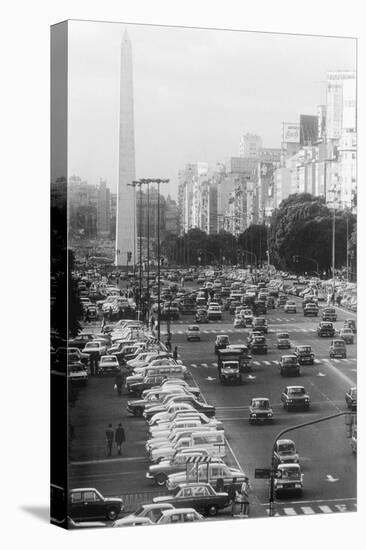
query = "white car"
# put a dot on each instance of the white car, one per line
(239, 322)
(290, 307)
(146, 514)
(95, 347)
(108, 364)
(193, 333)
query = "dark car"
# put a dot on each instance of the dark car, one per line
(283, 340)
(147, 383)
(338, 349)
(201, 316)
(221, 342)
(271, 302)
(326, 329)
(351, 398)
(289, 365)
(87, 504)
(304, 355)
(294, 397)
(282, 299)
(200, 496)
(259, 307)
(260, 410)
(260, 324)
(347, 335)
(329, 314)
(258, 345)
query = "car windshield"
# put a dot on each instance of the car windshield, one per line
(338, 344)
(261, 404)
(283, 335)
(296, 391)
(223, 339)
(305, 349)
(286, 448)
(93, 345)
(289, 359)
(290, 473)
(193, 328)
(108, 359)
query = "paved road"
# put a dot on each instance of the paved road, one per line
(328, 464)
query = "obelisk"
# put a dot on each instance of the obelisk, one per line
(125, 230)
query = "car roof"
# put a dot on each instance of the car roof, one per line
(173, 511)
(194, 484)
(260, 398)
(295, 387)
(285, 441)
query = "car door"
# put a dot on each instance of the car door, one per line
(199, 498)
(93, 505)
(76, 505)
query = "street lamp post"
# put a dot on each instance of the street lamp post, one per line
(133, 184)
(159, 181)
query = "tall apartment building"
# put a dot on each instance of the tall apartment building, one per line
(250, 146)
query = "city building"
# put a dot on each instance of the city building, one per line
(250, 146)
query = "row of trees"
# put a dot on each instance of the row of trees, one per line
(299, 238)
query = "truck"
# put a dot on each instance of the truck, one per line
(231, 363)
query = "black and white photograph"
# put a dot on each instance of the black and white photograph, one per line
(204, 272)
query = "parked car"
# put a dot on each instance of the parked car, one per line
(89, 504)
(304, 355)
(193, 333)
(151, 512)
(351, 398)
(260, 410)
(200, 496)
(338, 349)
(295, 397)
(283, 340)
(285, 452)
(326, 329)
(159, 472)
(347, 335)
(209, 472)
(96, 347)
(183, 515)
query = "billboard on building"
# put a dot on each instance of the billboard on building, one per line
(290, 132)
(308, 129)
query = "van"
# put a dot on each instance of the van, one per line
(213, 441)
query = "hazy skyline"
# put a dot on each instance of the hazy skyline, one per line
(196, 92)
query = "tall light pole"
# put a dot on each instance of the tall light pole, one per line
(133, 184)
(147, 182)
(159, 181)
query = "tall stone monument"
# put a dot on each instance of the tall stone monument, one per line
(125, 224)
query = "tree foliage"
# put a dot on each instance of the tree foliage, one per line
(254, 240)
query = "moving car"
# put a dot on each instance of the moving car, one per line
(289, 365)
(329, 314)
(248, 316)
(88, 503)
(351, 398)
(221, 342)
(347, 335)
(77, 373)
(283, 340)
(201, 316)
(295, 397)
(108, 364)
(350, 323)
(289, 479)
(214, 312)
(338, 349)
(311, 309)
(258, 345)
(290, 307)
(200, 496)
(285, 452)
(260, 324)
(304, 355)
(96, 347)
(193, 333)
(326, 329)
(260, 410)
(239, 321)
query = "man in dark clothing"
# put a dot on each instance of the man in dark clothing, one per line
(120, 378)
(120, 438)
(175, 353)
(109, 434)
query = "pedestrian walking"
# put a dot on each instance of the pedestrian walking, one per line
(175, 353)
(109, 434)
(120, 438)
(120, 378)
(231, 491)
(243, 498)
(168, 345)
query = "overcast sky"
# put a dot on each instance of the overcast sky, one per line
(195, 93)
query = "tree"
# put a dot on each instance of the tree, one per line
(254, 239)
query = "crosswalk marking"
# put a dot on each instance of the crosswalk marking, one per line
(316, 361)
(345, 360)
(325, 509)
(214, 364)
(307, 510)
(275, 362)
(256, 363)
(204, 364)
(341, 507)
(194, 365)
(336, 360)
(266, 362)
(290, 511)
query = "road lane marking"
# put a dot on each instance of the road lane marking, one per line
(194, 365)
(307, 510)
(290, 511)
(266, 362)
(341, 507)
(204, 365)
(325, 509)
(331, 479)
(214, 364)
(256, 363)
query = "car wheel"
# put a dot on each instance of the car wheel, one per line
(160, 479)
(112, 514)
(212, 510)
